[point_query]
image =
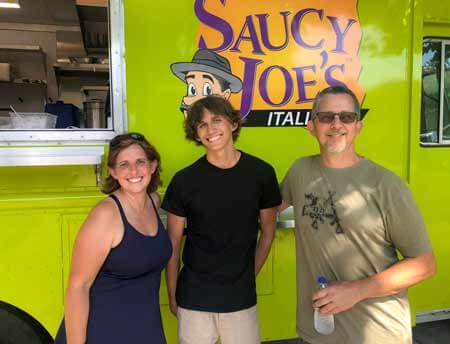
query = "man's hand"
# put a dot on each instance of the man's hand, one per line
(343, 295)
(337, 297)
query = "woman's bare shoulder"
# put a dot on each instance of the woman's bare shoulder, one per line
(106, 204)
(104, 215)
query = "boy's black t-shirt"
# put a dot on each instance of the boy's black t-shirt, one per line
(222, 210)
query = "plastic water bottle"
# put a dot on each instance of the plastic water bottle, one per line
(324, 324)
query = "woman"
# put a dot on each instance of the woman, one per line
(113, 291)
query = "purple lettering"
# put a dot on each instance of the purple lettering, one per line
(340, 35)
(265, 31)
(288, 91)
(329, 77)
(216, 23)
(295, 28)
(253, 37)
(248, 84)
(301, 83)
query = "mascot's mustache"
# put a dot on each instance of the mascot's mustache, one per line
(184, 107)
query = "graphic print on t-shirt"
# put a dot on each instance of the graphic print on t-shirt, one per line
(321, 209)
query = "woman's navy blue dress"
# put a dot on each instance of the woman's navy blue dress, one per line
(124, 298)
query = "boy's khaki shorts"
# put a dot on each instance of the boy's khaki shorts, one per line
(197, 327)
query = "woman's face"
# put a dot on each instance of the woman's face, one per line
(133, 170)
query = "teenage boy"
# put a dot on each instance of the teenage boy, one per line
(220, 197)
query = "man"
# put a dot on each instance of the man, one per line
(207, 74)
(221, 196)
(351, 216)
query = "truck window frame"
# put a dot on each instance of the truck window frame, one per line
(445, 44)
(117, 94)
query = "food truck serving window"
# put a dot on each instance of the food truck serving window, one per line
(435, 116)
(62, 72)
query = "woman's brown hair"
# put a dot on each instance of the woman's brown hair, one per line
(118, 144)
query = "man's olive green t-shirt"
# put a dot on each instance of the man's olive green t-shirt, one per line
(349, 224)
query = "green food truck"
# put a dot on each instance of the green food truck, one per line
(75, 73)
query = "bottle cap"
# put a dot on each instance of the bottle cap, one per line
(322, 280)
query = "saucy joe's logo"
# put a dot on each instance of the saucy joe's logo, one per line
(270, 58)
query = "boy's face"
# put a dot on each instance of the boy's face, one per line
(215, 132)
(200, 85)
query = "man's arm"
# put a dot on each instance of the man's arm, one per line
(343, 295)
(268, 223)
(175, 228)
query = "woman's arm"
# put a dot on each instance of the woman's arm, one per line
(93, 243)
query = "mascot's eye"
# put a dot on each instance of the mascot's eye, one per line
(192, 91)
(207, 89)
